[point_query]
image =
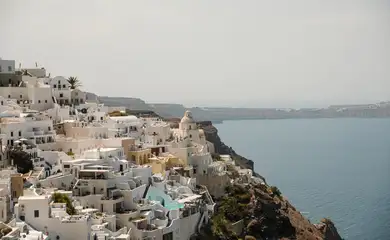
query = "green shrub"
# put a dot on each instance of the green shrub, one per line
(117, 114)
(275, 191)
(63, 198)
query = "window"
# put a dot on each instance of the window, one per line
(39, 101)
(9, 96)
(45, 101)
(59, 83)
(21, 96)
(36, 213)
(54, 86)
(168, 236)
(49, 128)
(61, 95)
(0, 69)
(20, 133)
(64, 86)
(2, 102)
(12, 134)
(9, 68)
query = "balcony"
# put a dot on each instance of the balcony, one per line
(93, 174)
(114, 199)
(39, 132)
(145, 204)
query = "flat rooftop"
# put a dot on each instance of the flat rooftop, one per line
(102, 150)
(42, 197)
(94, 170)
(99, 166)
(189, 198)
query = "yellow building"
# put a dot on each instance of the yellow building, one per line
(16, 185)
(158, 165)
(138, 155)
(162, 164)
(173, 161)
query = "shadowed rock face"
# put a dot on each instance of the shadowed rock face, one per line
(267, 216)
(211, 134)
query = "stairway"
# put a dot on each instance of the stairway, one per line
(48, 164)
(201, 218)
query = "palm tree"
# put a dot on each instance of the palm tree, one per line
(74, 82)
(26, 73)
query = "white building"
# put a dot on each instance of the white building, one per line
(61, 90)
(77, 97)
(124, 126)
(51, 218)
(37, 131)
(7, 66)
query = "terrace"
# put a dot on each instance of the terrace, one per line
(93, 174)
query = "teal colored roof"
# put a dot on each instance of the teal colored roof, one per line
(156, 194)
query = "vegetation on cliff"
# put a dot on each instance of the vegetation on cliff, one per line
(258, 211)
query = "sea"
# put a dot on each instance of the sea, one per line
(334, 168)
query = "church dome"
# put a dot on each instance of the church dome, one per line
(187, 118)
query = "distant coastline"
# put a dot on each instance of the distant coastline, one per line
(286, 118)
(219, 114)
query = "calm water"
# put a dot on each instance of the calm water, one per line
(336, 168)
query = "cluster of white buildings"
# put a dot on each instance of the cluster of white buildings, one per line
(97, 176)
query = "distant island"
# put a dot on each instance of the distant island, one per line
(217, 115)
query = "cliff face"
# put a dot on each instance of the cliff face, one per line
(264, 212)
(211, 134)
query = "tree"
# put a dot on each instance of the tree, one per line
(22, 160)
(63, 198)
(26, 73)
(74, 82)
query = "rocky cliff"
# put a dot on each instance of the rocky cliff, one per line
(211, 134)
(262, 210)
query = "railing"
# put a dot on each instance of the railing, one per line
(51, 166)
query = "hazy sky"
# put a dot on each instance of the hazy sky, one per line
(209, 52)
